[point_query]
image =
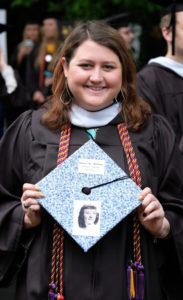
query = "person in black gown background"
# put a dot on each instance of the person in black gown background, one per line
(160, 82)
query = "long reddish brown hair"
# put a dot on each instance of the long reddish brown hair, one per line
(134, 110)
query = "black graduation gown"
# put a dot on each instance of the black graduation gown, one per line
(28, 152)
(20, 67)
(33, 74)
(162, 88)
(15, 103)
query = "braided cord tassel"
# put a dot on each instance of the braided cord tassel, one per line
(54, 249)
(135, 268)
(57, 260)
(64, 144)
(135, 175)
(56, 282)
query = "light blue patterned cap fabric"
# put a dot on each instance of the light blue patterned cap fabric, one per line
(88, 194)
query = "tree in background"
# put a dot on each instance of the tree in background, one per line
(142, 12)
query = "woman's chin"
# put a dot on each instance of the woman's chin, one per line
(94, 106)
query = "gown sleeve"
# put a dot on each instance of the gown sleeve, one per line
(148, 90)
(170, 183)
(14, 241)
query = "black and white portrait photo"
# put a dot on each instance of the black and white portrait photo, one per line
(86, 218)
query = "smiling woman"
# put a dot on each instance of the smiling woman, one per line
(95, 72)
(94, 96)
(94, 80)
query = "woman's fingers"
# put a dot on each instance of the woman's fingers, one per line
(149, 203)
(144, 193)
(151, 214)
(29, 186)
(31, 203)
(30, 194)
(150, 208)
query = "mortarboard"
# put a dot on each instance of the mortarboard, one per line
(33, 21)
(170, 7)
(64, 26)
(118, 21)
(52, 15)
(87, 182)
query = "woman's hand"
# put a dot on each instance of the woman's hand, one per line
(152, 216)
(38, 97)
(31, 206)
(3, 63)
(48, 81)
(25, 50)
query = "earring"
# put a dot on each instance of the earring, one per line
(116, 99)
(124, 99)
(68, 93)
(64, 102)
(67, 89)
(123, 96)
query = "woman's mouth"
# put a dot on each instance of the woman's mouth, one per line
(95, 89)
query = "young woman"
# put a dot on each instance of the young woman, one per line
(31, 37)
(88, 216)
(94, 90)
(39, 76)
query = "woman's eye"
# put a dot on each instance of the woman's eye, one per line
(108, 67)
(85, 66)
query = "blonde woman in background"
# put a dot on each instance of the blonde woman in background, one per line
(39, 77)
(31, 37)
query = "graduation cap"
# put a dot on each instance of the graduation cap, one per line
(33, 22)
(64, 26)
(4, 27)
(170, 7)
(88, 184)
(51, 15)
(118, 21)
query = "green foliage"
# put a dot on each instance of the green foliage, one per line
(84, 10)
(90, 9)
(25, 3)
(142, 12)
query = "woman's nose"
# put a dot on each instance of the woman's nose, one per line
(96, 75)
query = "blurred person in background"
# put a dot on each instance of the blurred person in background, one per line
(39, 76)
(31, 36)
(14, 98)
(160, 82)
(121, 23)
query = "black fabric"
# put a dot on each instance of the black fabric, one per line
(118, 21)
(16, 102)
(162, 88)
(3, 27)
(168, 3)
(32, 74)
(170, 7)
(32, 79)
(28, 152)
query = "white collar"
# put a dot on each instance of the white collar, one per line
(90, 119)
(168, 63)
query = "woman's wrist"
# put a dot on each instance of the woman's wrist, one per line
(165, 231)
(3, 65)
